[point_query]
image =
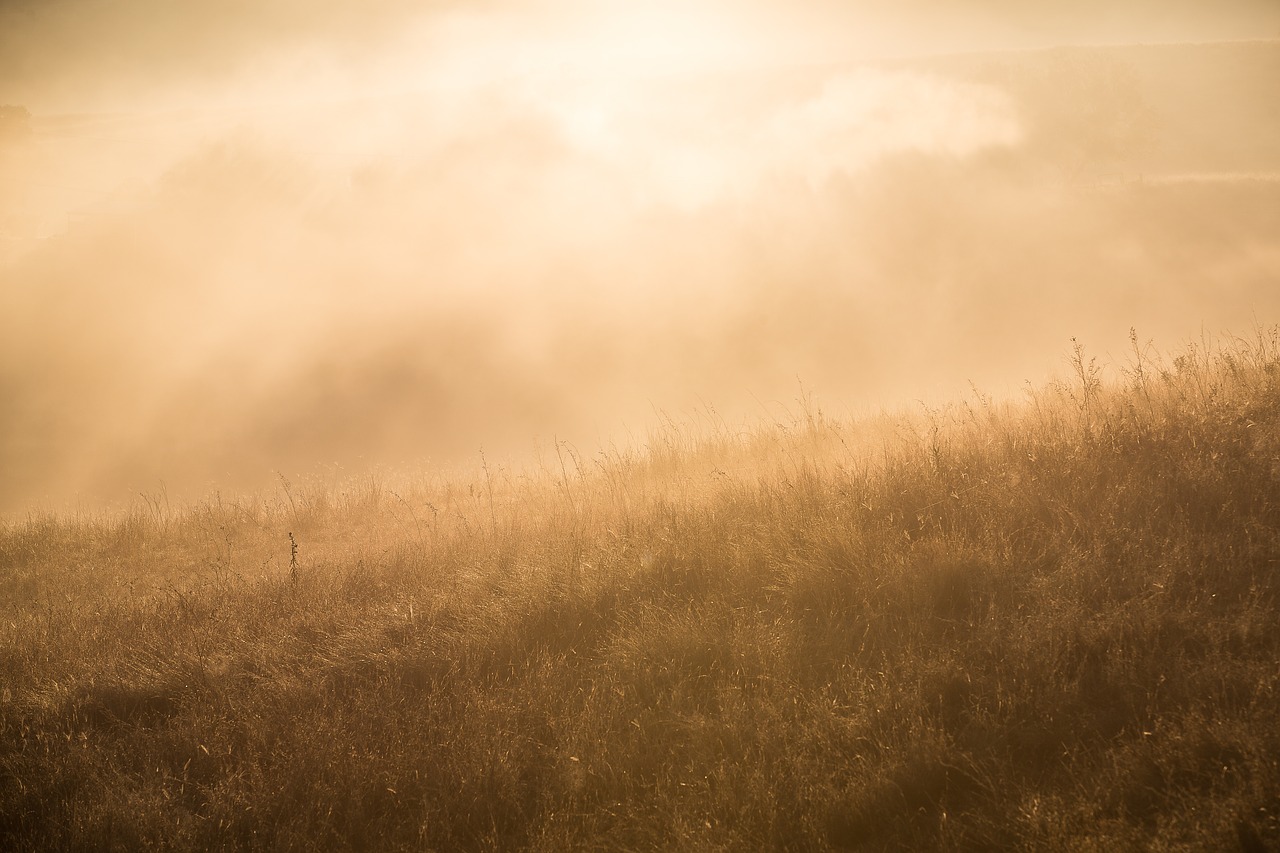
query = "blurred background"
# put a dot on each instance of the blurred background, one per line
(326, 238)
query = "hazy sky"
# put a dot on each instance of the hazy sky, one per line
(257, 235)
(70, 55)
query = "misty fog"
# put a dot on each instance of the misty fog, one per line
(262, 262)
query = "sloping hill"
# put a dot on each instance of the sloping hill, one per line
(1035, 627)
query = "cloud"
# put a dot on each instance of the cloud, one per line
(864, 115)
(698, 149)
(477, 228)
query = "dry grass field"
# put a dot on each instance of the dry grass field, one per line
(341, 508)
(1048, 624)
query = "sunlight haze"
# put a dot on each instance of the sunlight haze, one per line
(242, 238)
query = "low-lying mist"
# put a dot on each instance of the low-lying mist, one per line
(203, 297)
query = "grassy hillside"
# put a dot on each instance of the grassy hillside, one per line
(1049, 625)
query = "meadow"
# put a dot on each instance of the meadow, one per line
(1047, 623)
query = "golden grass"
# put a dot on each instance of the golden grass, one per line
(1048, 625)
